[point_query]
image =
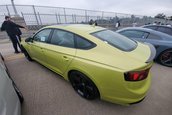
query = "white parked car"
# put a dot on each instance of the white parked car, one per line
(10, 97)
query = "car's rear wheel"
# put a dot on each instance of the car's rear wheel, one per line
(165, 58)
(19, 94)
(83, 85)
(26, 54)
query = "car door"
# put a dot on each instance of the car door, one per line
(154, 39)
(37, 45)
(60, 51)
(135, 35)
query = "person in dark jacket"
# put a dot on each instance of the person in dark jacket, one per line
(19, 33)
(12, 30)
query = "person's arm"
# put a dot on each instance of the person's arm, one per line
(3, 27)
(16, 25)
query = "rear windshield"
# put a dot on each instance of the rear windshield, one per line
(119, 41)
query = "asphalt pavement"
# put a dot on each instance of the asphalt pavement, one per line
(46, 93)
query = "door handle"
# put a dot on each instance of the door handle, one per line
(66, 58)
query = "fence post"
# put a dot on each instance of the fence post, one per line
(35, 15)
(23, 17)
(8, 10)
(73, 21)
(75, 18)
(59, 18)
(56, 18)
(65, 15)
(86, 20)
(102, 16)
(14, 8)
(39, 18)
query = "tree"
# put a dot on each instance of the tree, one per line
(169, 18)
(160, 16)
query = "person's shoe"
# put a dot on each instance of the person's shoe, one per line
(16, 52)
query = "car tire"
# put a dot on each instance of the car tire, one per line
(26, 54)
(19, 94)
(165, 58)
(83, 85)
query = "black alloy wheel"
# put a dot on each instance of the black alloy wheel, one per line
(83, 85)
(165, 58)
(26, 54)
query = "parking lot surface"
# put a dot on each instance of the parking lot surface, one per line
(46, 93)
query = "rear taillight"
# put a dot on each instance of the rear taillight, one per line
(136, 75)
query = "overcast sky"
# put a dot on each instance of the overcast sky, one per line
(137, 7)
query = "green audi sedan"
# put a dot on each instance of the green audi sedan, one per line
(98, 62)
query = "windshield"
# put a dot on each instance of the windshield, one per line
(119, 41)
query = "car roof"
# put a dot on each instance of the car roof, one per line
(163, 35)
(139, 28)
(77, 28)
(158, 26)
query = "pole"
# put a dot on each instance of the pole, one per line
(8, 10)
(56, 18)
(59, 18)
(86, 20)
(102, 16)
(14, 8)
(35, 15)
(73, 18)
(23, 17)
(65, 15)
(40, 18)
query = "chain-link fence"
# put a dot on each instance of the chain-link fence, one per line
(38, 16)
(44, 15)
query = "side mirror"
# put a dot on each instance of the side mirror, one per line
(30, 39)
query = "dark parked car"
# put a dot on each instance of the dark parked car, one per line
(160, 28)
(161, 41)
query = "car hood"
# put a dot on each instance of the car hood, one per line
(113, 57)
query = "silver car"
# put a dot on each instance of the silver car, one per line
(10, 97)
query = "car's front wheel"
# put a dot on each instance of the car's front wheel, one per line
(26, 54)
(83, 85)
(165, 58)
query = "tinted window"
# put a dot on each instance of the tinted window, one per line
(42, 36)
(116, 40)
(151, 27)
(165, 30)
(152, 36)
(83, 43)
(62, 38)
(134, 34)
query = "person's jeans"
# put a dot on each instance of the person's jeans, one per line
(15, 42)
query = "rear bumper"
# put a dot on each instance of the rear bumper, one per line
(129, 93)
(124, 101)
(137, 101)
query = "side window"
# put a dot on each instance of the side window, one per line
(42, 36)
(151, 27)
(165, 30)
(152, 36)
(133, 34)
(161, 29)
(83, 43)
(62, 38)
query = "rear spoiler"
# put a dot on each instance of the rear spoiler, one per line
(153, 52)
